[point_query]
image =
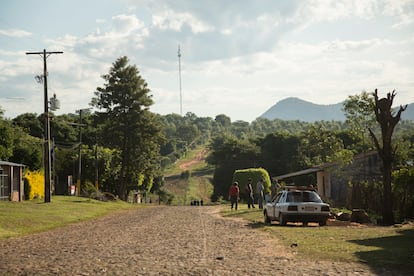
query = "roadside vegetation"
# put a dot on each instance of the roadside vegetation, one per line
(32, 216)
(389, 247)
(124, 148)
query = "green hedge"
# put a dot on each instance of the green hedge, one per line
(242, 176)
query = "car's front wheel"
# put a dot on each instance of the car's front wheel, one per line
(267, 220)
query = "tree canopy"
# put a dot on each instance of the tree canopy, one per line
(127, 125)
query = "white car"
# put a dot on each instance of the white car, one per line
(297, 204)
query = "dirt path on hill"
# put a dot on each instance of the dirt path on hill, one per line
(162, 240)
(197, 159)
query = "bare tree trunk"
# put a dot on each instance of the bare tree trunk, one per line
(384, 116)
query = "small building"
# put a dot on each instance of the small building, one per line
(11, 181)
(332, 181)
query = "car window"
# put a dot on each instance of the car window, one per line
(311, 197)
(277, 198)
(303, 196)
(294, 197)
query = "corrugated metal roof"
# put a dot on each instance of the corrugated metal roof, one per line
(6, 163)
(307, 171)
(323, 166)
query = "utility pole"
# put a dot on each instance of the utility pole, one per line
(78, 181)
(46, 158)
(179, 73)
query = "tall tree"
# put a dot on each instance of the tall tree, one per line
(31, 123)
(388, 120)
(6, 139)
(128, 125)
(227, 155)
(359, 112)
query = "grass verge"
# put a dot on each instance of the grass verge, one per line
(27, 217)
(380, 247)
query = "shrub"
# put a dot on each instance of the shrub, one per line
(242, 176)
(36, 183)
(89, 189)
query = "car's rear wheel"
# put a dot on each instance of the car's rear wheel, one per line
(323, 222)
(267, 220)
(282, 219)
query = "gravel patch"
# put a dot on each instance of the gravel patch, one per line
(162, 240)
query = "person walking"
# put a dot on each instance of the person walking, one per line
(249, 190)
(234, 192)
(259, 191)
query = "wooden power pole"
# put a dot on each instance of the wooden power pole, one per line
(46, 158)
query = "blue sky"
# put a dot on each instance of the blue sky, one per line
(239, 58)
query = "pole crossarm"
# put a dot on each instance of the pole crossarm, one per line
(44, 52)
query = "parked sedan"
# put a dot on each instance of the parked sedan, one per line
(297, 204)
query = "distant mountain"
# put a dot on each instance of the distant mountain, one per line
(408, 114)
(297, 109)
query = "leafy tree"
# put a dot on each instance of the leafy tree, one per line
(320, 146)
(223, 121)
(360, 116)
(6, 140)
(188, 133)
(31, 124)
(279, 153)
(228, 154)
(387, 120)
(403, 190)
(64, 129)
(127, 124)
(27, 150)
(241, 129)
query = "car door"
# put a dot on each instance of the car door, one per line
(276, 205)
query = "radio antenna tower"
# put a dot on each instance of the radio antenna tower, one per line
(179, 74)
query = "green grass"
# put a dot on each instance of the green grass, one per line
(190, 155)
(197, 186)
(26, 217)
(378, 246)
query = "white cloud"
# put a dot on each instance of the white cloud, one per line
(15, 33)
(238, 57)
(127, 24)
(328, 10)
(171, 20)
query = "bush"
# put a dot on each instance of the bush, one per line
(36, 182)
(104, 196)
(242, 176)
(89, 189)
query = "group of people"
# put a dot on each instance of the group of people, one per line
(234, 194)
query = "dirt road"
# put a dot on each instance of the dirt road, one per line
(161, 240)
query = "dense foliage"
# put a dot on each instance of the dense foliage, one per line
(126, 147)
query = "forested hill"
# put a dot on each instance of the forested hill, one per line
(297, 109)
